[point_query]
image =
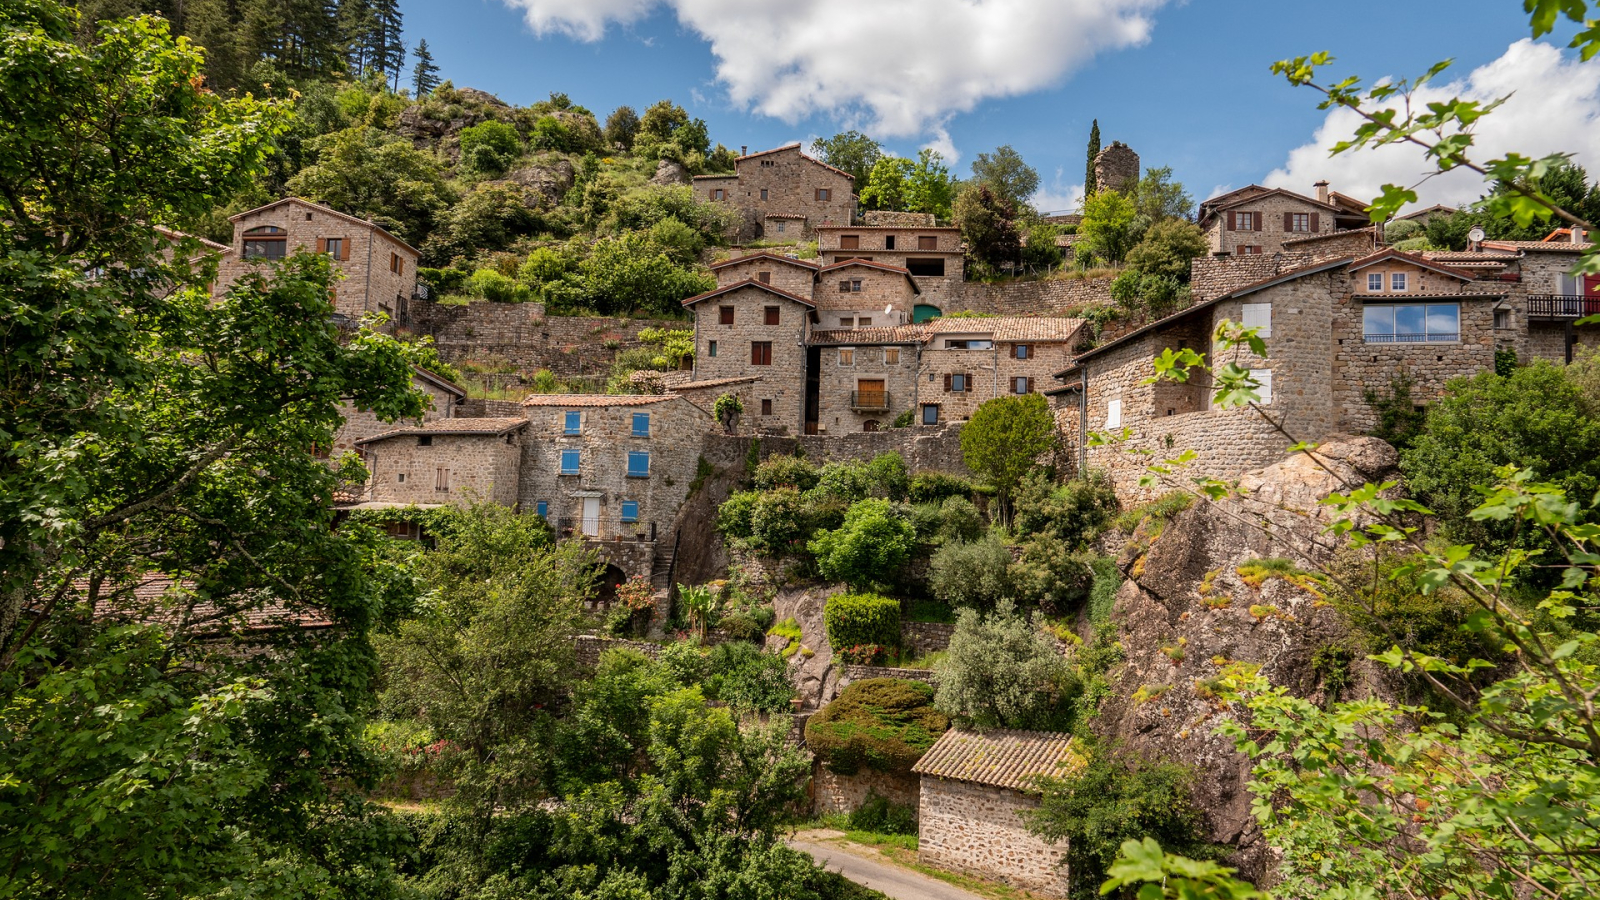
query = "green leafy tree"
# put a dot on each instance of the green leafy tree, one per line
(1158, 198)
(975, 575)
(850, 151)
(1110, 226)
(425, 74)
(988, 226)
(1005, 172)
(1039, 251)
(489, 148)
(1167, 250)
(929, 187)
(1090, 184)
(886, 184)
(1002, 671)
(869, 549)
(622, 126)
(667, 132)
(1005, 438)
(364, 172)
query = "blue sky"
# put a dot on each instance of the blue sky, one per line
(1185, 84)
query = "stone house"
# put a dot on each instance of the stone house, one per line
(797, 276)
(1334, 331)
(965, 361)
(610, 468)
(379, 270)
(865, 377)
(860, 293)
(444, 461)
(1545, 301)
(933, 256)
(749, 328)
(781, 194)
(444, 396)
(1254, 220)
(975, 791)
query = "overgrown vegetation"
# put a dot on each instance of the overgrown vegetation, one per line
(884, 724)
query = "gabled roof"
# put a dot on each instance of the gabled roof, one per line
(796, 146)
(1540, 246)
(1015, 760)
(472, 427)
(575, 401)
(1261, 285)
(710, 383)
(440, 381)
(1436, 208)
(871, 264)
(882, 334)
(1348, 204)
(1370, 231)
(802, 263)
(886, 228)
(160, 599)
(174, 235)
(1010, 329)
(1251, 194)
(750, 282)
(1422, 262)
(330, 211)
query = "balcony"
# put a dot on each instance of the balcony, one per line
(1559, 306)
(869, 401)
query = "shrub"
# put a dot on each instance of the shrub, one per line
(1400, 419)
(777, 523)
(491, 285)
(879, 815)
(1051, 576)
(785, 471)
(742, 626)
(959, 520)
(862, 655)
(884, 724)
(869, 549)
(842, 481)
(742, 676)
(489, 148)
(790, 631)
(935, 487)
(1103, 594)
(854, 619)
(887, 476)
(1004, 439)
(684, 662)
(735, 515)
(1001, 671)
(975, 575)
(1073, 514)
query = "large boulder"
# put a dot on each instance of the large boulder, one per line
(552, 180)
(670, 172)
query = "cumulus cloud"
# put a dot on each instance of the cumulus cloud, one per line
(1059, 195)
(897, 67)
(1554, 107)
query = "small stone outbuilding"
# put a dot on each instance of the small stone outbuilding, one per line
(975, 790)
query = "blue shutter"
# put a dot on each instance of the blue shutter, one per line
(544, 509)
(569, 462)
(641, 424)
(630, 511)
(638, 464)
(574, 423)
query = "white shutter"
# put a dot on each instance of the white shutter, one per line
(1114, 414)
(1259, 315)
(1264, 377)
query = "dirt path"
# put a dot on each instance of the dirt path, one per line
(867, 867)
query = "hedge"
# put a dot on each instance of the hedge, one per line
(855, 619)
(880, 723)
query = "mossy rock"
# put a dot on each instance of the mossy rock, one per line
(885, 724)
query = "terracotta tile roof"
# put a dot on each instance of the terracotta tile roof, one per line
(870, 264)
(330, 211)
(1369, 231)
(1014, 760)
(574, 401)
(163, 600)
(802, 263)
(175, 235)
(1549, 246)
(1431, 295)
(1436, 208)
(1046, 329)
(1458, 257)
(712, 383)
(440, 380)
(1412, 258)
(886, 228)
(750, 282)
(783, 216)
(486, 426)
(884, 334)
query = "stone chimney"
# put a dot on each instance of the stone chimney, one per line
(744, 149)
(1116, 168)
(1577, 234)
(1322, 190)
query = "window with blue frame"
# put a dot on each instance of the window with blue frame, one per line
(544, 509)
(641, 424)
(569, 461)
(630, 511)
(638, 464)
(574, 422)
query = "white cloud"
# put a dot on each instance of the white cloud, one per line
(941, 144)
(1554, 107)
(897, 67)
(1058, 196)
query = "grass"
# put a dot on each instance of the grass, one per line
(1160, 510)
(936, 611)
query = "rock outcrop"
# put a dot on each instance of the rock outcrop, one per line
(1187, 610)
(553, 180)
(670, 172)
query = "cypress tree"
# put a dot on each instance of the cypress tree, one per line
(1089, 183)
(425, 76)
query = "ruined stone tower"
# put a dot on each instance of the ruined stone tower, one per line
(1116, 167)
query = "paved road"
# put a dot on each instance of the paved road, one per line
(878, 873)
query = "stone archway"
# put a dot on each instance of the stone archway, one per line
(610, 579)
(870, 425)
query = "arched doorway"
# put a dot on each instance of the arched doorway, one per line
(610, 579)
(869, 425)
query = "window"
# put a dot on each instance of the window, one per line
(569, 461)
(397, 265)
(847, 356)
(853, 286)
(400, 478)
(891, 356)
(1248, 250)
(266, 242)
(1259, 316)
(968, 344)
(847, 321)
(641, 424)
(1021, 385)
(849, 242)
(888, 242)
(1022, 351)
(864, 322)
(638, 463)
(725, 315)
(771, 315)
(926, 268)
(1299, 221)
(1114, 414)
(927, 242)
(711, 349)
(441, 479)
(338, 248)
(763, 193)
(930, 414)
(1245, 221)
(764, 277)
(1375, 282)
(425, 440)
(1387, 323)
(760, 353)
(766, 407)
(572, 422)
(630, 511)
(1397, 282)
(824, 194)
(1502, 318)
(782, 226)
(1263, 378)
(717, 194)
(957, 383)
(543, 508)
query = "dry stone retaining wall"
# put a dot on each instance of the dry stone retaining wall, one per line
(521, 335)
(1030, 298)
(850, 673)
(834, 793)
(925, 637)
(589, 647)
(980, 830)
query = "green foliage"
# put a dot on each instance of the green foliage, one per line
(1103, 593)
(747, 679)
(1039, 250)
(956, 520)
(1002, 671)
(489, 148)
(973, 575)
(884, 724)
(735, 517)
(625, 275)
(487, 284)
(936, 487)
(1167, 249)
(857, 619)
(869, 549)
(1052, 576)
(851, 151)
(1110, 227)
(1152, 517)
(1119, 796)
(1400, 418)
(790, 631)
(1505, 361)
(364, 172)
(778, 522)
(879, 815)
(988, 224)
(667, 132)
(1012, 180)
(785, 471)
(700, 603)
(921, 185)
(728, 408)
(1072, 514)
(1159, 199)
(1090, 185)
(1387, 607)
(1004, 439)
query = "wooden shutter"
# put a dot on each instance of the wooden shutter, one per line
(1030, 384)
(1255, 221)
(344, 249)
(1314, 223)
(966, 382)
(1233, 220)
(947, 383)
(1288, 221)
(322, 245)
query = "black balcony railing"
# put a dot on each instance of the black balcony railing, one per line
(874, 400)
(1559, 306)
(1433, 338)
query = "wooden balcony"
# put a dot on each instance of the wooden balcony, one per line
(869, 401)
(1559, 307)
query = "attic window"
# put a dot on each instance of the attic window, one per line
(824, 194)
(766, 277)
(927, 242)
(266, 242)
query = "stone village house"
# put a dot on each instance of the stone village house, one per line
(781, 194)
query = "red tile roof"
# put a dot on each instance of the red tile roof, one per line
(881, 334)
(485, 427)
(1015, 760)
(802, 263)
(1549, 246)
(574, 401)
(750, 282)
(1390, 253)
(712, 383)
(1045, 329)
(157, 599)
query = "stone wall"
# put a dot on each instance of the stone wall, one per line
(883, 218)
(857, 292)
(588, 648)
(837, 382)
(796, 279)
(479, 409)
(522, 336)
(725, 351)
(475, 467)
(923, 638)
(1054, 297)
(782, 181)
(980, 830)
(925, 449)
(1266, 230)
(1116, 168)
(990, 373)
(364, 423)
(834, 793)
(849, 673)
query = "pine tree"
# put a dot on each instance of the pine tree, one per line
(388, 53)
(425, 76)
(1089, 183)
(355, 32)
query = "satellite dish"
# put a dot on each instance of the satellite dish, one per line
(888, 309)
(1476, 234)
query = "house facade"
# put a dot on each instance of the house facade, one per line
(933, 257)
(748, 328)
(379, 271)
(443, 394)
(445, 461)
(1254, 220)
(781, 194)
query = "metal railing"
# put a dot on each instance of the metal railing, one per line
(1561, 306)
(1434, 338)
(877, 400)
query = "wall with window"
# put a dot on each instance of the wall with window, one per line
(783, 181)
(380, 272)
(737, 353)
(364, 423)
(796, 279)
(1262, 226)
(863, 387)
(857, 292)
(444, 468)
(933, 254)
